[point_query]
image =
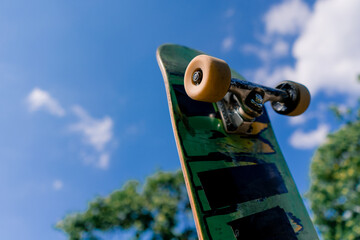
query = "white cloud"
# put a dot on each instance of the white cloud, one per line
(327, 51)
(98, 159)
(227, 43)
(298, 120)
(308, 140)
(276, 49)
(272, 78)
(104, 161)
(283, 19)
(40, 99)
(288, 17)
(96, 132)
(134, 129)
(280, 48)
(57, 185)
(320, 114)
(259, 52)
(230, 12)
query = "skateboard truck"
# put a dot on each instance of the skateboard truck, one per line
(240, 102)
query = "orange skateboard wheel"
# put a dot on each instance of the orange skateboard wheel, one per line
(303, 99)
(299, 103)
(207, 78)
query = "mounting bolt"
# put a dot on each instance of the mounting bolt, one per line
(197, 77)
(257, 101)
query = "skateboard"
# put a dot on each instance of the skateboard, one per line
(238, 182)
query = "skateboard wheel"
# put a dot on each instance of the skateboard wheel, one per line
(298, 101)
(207, 79)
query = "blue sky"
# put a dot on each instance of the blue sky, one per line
(83, 105)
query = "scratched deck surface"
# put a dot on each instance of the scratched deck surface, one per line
(239, 186)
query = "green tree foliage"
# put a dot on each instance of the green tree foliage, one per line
(335, 181)
(159, 209)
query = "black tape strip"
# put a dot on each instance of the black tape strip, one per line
(227, 157)
(190, 107)
(227, 186)
(271, 224)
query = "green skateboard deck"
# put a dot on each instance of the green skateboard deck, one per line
(239, 186)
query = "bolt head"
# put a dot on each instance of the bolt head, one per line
(258, 98)
(197, 77)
